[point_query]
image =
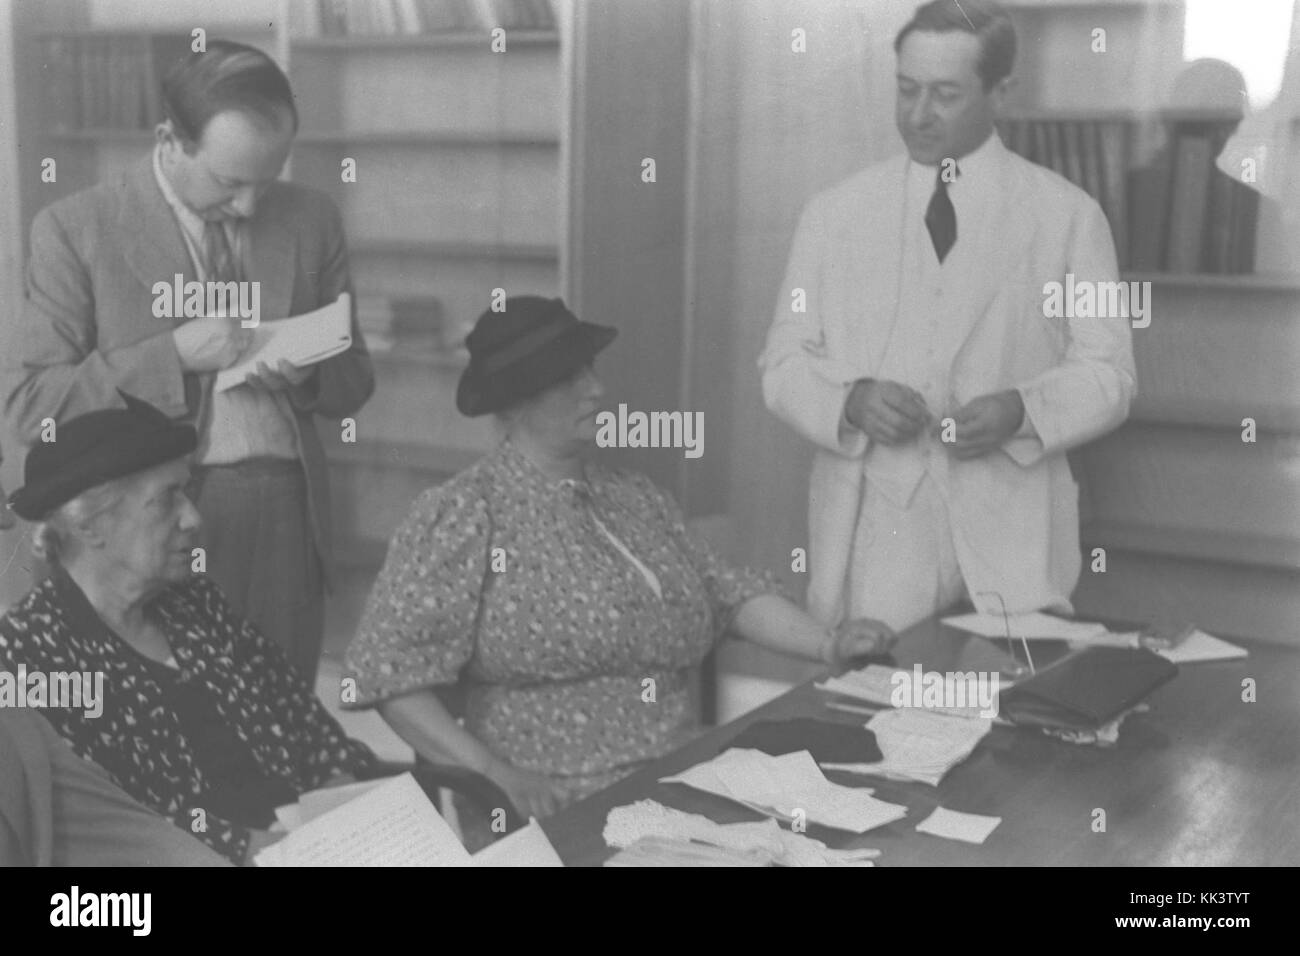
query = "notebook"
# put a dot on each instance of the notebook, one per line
(1087, 688)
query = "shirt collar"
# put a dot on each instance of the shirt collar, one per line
(976, 167)
(190, 221)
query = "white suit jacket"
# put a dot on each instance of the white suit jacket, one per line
(1014, 513)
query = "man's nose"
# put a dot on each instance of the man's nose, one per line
(922, 109)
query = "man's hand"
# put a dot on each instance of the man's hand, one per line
(984, 423)
(212, 343)
(532, 794)
(284, 377)
(860, 637)
(887, 412)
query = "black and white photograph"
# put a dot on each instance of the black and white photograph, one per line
(651, 433)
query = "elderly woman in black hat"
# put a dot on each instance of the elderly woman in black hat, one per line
(568, 599)
(203, 719)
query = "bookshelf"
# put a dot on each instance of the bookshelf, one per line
(1198, 525)
(459, 182)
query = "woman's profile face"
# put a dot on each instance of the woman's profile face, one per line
(564, 415)
(151, 534)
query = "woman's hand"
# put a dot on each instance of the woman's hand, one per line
(532, 794)
(860, 637)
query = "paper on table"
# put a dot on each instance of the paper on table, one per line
(300, 340)
(391, 825)
(1202, 647)
(968, 827)
(1028, 626)
(527, 846)
(919, 744)
(782, 785)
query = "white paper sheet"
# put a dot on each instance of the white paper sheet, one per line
(782, 786)
(527, 846)
(1203, 647)
(1028, 626)
(301, 340)
(391, 825)
(919, 745)
(952, 825)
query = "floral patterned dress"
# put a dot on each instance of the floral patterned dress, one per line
(510, 582)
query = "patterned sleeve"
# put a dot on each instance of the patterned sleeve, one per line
(421, 619)
(305, 743)
(728, 586)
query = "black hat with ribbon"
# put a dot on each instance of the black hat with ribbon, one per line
(532, 345)
(95, 448)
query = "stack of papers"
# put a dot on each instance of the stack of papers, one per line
(389, 822)
(919, 745)
(392, 824)
(789, 787)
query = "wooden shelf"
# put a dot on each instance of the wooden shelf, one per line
(471, 138)
(1247, 550)
(422, 41)
(1204, 280)
(1076, 114)
(448, 249)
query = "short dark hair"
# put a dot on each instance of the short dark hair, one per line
(985, 19)
(225, 76)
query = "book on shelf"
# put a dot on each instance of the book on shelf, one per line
(1188, 203)
(341, 18)
(1177, 212)
(108, 82)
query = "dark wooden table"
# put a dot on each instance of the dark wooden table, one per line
(1202, 779)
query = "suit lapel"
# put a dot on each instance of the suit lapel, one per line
(999, 242)
(156, 251)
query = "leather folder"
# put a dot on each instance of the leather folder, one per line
(1086, 689)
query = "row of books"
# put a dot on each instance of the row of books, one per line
(107, 82)
(414, 17)
(1177, 213)
(1189, 215)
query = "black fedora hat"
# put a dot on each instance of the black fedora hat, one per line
(529, 347)
(95, 448)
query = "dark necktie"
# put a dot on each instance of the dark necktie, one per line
(941, 218)
(216, 250)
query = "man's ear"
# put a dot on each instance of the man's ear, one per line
(1002, 89)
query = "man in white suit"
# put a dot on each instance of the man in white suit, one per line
(910, 344)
